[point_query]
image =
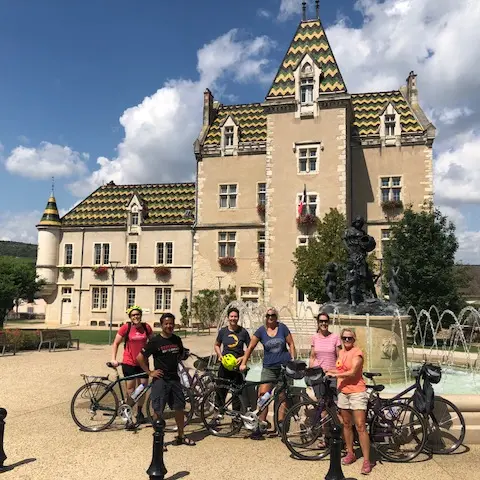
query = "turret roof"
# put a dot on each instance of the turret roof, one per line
(50, 217)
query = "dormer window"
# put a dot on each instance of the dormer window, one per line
(229, 142)
(389, 125)
(136, 214)
(307, 76)
(135, 218)
(306, 90)
(229, 134)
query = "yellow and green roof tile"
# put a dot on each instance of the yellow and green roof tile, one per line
(50, 217)
(309, 38)
(368, 107)
(250, 118)
(166, 204)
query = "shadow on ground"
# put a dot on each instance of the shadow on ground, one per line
(9, 468)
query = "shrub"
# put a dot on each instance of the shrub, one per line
(23, 339)
(162, 271)
(228, 262)
(100, 270)
(307, 219)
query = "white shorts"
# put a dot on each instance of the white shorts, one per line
(353, 401)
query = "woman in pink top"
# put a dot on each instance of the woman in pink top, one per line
(134, 335)
(352, 398)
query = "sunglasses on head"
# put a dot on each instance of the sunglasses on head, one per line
(348, 339)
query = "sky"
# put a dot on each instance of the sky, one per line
(96, 91)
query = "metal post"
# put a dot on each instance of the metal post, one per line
(219, 278)
(157, 470)
(335, 472)
(113, 266)
(3, 457)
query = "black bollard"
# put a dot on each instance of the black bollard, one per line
(335, 470)
(3, 457)
(157, 470)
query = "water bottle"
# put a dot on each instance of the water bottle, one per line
(264, 399)
(138, 391)
(184, 380)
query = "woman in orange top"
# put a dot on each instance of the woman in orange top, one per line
(352, 398)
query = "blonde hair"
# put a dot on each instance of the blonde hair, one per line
(348, 330)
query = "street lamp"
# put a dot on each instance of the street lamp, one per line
(219, 278)
(113, 266)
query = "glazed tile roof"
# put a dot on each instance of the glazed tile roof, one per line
(50, 215)
(309, 38)
(369, 106)
(250, 118)
(165, 203)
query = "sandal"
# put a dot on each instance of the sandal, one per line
(322, 445)
(184, 441)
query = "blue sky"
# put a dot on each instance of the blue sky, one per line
(93, 91)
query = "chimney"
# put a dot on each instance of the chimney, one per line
(207, 107)
(412, 92)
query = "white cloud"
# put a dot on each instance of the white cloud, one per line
(263, 13)
(289, 8)
(449, 116)
(45, 161)
(23, 139)
(19, 226)
(160, 131)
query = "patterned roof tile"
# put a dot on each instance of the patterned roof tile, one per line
(50, 217)
(369, 106)
(250, 118)
(165, 203)
(309, 38)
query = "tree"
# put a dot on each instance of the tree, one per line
(18, 280)
(423, 244)
(185, 315)
(207, 305)
(311, 261)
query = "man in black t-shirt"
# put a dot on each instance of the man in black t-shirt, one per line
(166, 349)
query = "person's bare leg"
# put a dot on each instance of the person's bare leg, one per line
(180, 421)
(263, 388)
(360, 420)
(282, 410)
(346, 416)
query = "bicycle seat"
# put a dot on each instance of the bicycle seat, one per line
(370, 375)
(376, 388)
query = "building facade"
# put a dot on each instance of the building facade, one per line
(309, 143)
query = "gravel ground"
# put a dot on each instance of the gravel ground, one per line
(42, 441)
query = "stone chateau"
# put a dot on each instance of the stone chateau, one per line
(264, 173)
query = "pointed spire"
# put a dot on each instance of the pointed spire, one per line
(304, 11)
(317, 9)
(50, 217)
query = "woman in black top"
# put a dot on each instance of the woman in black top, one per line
(235, 339)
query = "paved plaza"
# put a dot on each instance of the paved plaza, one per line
(43, 441)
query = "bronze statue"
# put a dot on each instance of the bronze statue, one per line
(393, 290)
(331, 281)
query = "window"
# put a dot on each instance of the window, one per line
(262, 193)
(311, 204)
(226, 244)
(306, 90)
(302, 241)
(229, 135)
(385, 238)
(68, 254)
(249, 294)
(391, 189)
(261, 243)
(135, 218)
(307, 160)
(66, 290)
(386, 234)
(130, 297)
(132, 253)
(99, 298)
(101, 253)
(164, 253)
(163, 299)
(390, 125)
(228, 196)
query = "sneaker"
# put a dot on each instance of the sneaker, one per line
(366, 468)
(349, 459)
(257, 435)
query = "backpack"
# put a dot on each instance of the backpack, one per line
(423, 398)
(144, 325)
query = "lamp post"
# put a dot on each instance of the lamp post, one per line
(219, 278)
(113, 266)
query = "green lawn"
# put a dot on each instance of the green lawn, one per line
(100, 337)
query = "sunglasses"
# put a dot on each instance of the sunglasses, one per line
(324, 322)
(348, 339)
(270, 315)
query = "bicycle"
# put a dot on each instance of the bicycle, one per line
(216, 406)
(103, 405)
(385, 421)
(445, 422)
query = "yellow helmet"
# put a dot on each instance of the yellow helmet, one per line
(132, 308)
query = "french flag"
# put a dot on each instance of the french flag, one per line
(303, 202)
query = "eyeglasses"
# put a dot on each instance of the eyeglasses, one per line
(348, 339)
(270, 315)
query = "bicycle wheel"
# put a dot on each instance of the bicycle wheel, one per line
(220, 412)
(398, 432)
(94, 407)
(291, 399)
(169, 415)
(204, 383)
(446, 427)
(306, 430)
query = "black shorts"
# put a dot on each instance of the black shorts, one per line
(167, 392)
(129, 370)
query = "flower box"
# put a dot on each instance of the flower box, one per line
(66, 270)
(100, 270)
(261, 260)
(130, 270)
(261, 209)
(306, 220)
(229, 262)
(392, 204)
(162, 271)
